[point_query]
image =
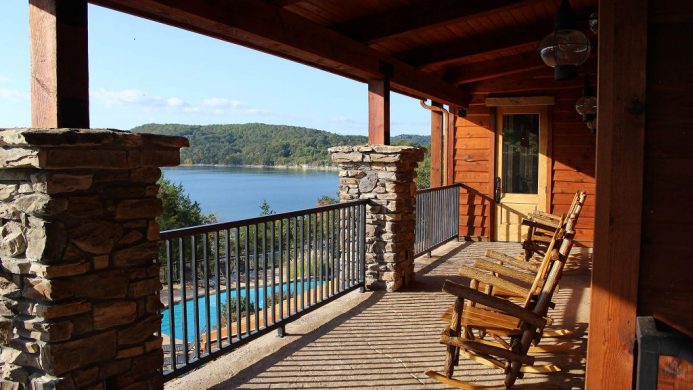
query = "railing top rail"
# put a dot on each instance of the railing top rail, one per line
(187, 231)
(438, 188)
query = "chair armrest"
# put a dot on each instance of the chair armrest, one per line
(544, 215)
(521, 264)
(539, 225)
(485, 277)
(499, 304)
(503, 270)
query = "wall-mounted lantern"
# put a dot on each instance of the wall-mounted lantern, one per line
(587, 105)
(593, 21)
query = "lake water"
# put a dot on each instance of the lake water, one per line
(236, 192)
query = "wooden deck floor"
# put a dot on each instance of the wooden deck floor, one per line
(388, 340)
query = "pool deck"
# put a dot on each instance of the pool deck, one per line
(388, 340)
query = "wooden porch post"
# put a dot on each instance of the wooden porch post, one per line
(618, 218)
(450, 147)
(436, 146)
(379, 111)
(59, 63)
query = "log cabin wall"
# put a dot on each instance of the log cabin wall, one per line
(665, 283)
(571, 151)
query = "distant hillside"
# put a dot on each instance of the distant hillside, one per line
(262, 144)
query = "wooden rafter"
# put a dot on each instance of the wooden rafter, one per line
(283, 3)
(521, 37)
(535, 80)
(271, 29)
(420, 17)
(485, 70)
(444, 53)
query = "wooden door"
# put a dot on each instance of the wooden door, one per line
(521, 165)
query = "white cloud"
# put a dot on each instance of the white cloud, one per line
(222, 103)
(12, 95)
(4, 79)
(130, 97)
(175, 102)
(148, 103)
(341, 119)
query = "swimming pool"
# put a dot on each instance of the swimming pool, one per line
(202, 315)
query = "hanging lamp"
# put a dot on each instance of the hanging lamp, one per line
(566, 47)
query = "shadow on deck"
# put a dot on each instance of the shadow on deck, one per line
(388, 340)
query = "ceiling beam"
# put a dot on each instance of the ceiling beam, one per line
(520, 36)
(491, 69)
(268, 28)
(535, 80)
(420, 17)
(446, 53)
(283, 3)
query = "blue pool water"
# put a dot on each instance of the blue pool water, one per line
(190, 314)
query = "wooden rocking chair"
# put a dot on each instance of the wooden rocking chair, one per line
(521, 324)
(522, 269)
(542, 226)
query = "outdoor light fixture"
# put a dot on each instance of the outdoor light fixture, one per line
(566, 47)
(594, 22)
(587, 105)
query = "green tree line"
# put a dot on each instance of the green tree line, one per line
(263, 144)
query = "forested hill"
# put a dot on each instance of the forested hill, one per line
(261, 144)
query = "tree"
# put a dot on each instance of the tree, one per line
(326, 200)
(179, 210)
(265, 208)
(423, 172)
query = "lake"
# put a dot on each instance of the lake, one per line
(236, 192)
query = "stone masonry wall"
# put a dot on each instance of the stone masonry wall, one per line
(79, 278)
(384, 174)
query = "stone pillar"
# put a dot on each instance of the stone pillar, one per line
(385, 175)
(79, 275)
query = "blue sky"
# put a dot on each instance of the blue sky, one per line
(143, 72)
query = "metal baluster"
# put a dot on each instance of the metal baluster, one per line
(272, 260)
(362, 260)
(208, 317)
(319, 226)
(288, 270)
(310, 273)
(281, 271)
(196, 309)
(256, 263)
(303, 263)
(237, 239)
(287, 284)
(264, 272)
(183, 299)
(228, 286)
(295, 265)
(246, 266)
(218, 287)
(342, 249)
(330, 252)
(315, 258)
(171, 304)
(349, 233)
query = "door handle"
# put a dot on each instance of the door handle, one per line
(497, 190)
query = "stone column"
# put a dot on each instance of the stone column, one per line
(79, 277)
(384, 174)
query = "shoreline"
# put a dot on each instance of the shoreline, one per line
(327, 168)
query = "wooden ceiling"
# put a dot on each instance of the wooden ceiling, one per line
(429, 48)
